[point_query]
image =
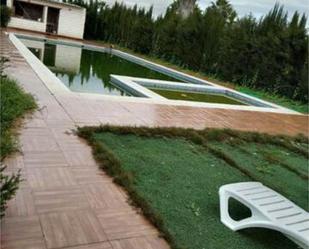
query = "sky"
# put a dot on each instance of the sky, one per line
(257, 7)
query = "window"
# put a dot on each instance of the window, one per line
(28, 11)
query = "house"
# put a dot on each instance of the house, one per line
(48, 16)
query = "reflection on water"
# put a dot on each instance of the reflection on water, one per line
(89, 71)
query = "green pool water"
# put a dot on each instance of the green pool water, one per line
(198, 97)
(84, 70)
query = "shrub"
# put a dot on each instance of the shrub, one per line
(3, 61)
(14, 103)
(8, 188)
(5, 14)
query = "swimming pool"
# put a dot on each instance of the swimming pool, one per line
(69, 66)
(84, 70)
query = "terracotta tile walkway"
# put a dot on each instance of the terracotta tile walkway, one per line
(65, 201)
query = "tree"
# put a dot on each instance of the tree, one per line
(5, 15)
(165, 34)
(270, 53)
(239, 53)
(189, 42)
(142, 32)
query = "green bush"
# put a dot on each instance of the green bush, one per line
(5, 14)
(14, 102)
(8, 188)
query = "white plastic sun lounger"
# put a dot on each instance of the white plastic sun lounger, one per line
(269, 210)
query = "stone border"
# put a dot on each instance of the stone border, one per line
(139, 87)
(133, 87)
(50, 79)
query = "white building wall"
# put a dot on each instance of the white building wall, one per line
(21, 23)
(68, 58)
(72, 22)
(27, 24)
(9, 3)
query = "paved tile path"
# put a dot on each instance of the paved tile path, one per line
(65, 201)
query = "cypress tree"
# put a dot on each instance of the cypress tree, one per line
(270, 53)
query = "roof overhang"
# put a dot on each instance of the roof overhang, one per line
(53, 3)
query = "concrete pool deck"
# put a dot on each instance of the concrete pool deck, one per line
(65, 200)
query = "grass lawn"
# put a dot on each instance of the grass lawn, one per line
(174, 175)
(14, 103)
(285, 102)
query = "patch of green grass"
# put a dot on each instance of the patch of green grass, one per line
(285, 102)
(174, 175)
(14, 103)
(270, 172)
